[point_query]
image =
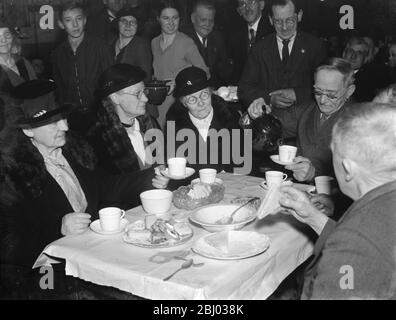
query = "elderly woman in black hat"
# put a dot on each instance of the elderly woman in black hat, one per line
(118, 137)
(50, 186)
(129, 47)
(198, 109)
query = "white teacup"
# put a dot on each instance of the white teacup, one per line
(207, 175)
(110, 218)
(274, 178)
(287, 153)
(177, 167)
(324, 184)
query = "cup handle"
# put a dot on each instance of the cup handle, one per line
(285, 177)
(122, 214)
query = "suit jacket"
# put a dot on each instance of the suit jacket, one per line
(216, 58)
(264, 71)
(238, 41)
(137, 53)
(99, 25)
(360, 247)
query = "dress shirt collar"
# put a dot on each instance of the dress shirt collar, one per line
(254, 26)
(290, 45)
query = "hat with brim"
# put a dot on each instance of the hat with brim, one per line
(39, 106)
(118, 77)
(129, 12)
(189, 81)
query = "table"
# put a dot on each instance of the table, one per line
(109, 261)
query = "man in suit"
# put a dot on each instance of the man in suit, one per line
(355, 258)
(241, 38)
(210, 43)
(280, 68)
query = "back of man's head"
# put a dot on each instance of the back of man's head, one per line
(366, 134)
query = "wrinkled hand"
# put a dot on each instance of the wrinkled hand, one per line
(255, 109)
(75, 223)
(160, 181)
(298, 204)
(302, 168)
(283, 98)
(323, 203)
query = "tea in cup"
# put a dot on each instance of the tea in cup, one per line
(110, 218)
(287, 153)
(207, 175)
(177, 167)
(324, 184)
(274, 178)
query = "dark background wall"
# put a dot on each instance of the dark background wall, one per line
(374, 17)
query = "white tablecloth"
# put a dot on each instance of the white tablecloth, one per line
(107, 260)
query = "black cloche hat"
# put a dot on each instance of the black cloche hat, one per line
(190, 80)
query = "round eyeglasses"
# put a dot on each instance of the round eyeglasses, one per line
(191, 100)
(290, 22)
(126, 22)
(139, 94)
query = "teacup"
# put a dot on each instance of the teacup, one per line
(324, 184)
(287, 153)
(207, 175)
(110, 218)
(177, 167)
(274, 178)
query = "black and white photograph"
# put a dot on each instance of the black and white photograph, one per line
(212, 151)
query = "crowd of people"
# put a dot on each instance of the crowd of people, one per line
(77, 142)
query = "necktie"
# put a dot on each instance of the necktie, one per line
(205, 49)
(285, 51)
(252, 37)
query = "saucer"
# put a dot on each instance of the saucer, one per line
(189, 173)
(275, 158)
(284, 183)
(198, 180)
(95, 227)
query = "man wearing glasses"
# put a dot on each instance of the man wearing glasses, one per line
(332, 89)
(280, 68)
(197, 109)
(255, 26)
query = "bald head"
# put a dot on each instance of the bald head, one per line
(366, 134)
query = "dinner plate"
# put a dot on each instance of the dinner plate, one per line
(95, 226)
(275, 158)
(145, 242)
(198, 180)
(189, 173)
(232, 245)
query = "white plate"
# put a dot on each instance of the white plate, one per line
(198, 180)
(145, 242)
(275, 158)
(189, 173)
(232, 245)
(95, 227)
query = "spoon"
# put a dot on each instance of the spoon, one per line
(187, 264)
(230, 219)
(194, 264)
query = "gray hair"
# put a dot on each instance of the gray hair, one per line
(366, 133)
(340, 65)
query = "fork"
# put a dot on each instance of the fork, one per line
(194, 264)
(185, 265)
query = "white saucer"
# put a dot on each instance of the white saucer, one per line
(275, 158)
(284, 183)
(95, 227)
(198, 180)
(189, 173)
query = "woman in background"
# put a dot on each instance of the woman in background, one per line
(173, 51)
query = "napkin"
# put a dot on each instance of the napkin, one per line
(270, 204)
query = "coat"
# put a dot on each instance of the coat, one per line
(224, 117)
(264, 71)
(355, 258)
(215, 56)
(33, 204)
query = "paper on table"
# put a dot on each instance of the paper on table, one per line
(270, 204)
